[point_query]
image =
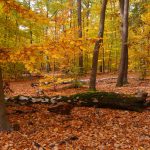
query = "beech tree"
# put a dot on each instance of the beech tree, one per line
(123, 69)
(98, 43)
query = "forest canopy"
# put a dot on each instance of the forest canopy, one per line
(43, 35)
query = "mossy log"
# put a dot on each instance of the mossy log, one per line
(90, 99)
(110, 100)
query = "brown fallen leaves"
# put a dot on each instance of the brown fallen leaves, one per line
(95, 128)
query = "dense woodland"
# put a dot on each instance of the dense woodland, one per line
(73, 59)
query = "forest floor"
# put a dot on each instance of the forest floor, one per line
(94, 128)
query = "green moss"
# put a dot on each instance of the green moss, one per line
(92, 94)
(104, 96)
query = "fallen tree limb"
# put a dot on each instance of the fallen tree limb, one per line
(112, 100)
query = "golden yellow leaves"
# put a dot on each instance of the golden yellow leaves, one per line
(32, 59)
(72, 42)
(10, 5)
(62, 52)
(82, 48)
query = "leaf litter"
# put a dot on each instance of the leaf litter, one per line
(84, 129)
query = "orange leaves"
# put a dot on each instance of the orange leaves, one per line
(6, 54)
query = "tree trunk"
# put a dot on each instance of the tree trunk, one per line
(80, 35)
(87, 16)
(31, 33)
(121, 4)
(125, 78)
(4, 124)
(48, 68)
(98, 43)
(70, 13)
(86, 59)
(103, 60)
(122, 76)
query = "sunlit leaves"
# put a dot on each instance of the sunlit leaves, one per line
(10, 5)
(47, 32)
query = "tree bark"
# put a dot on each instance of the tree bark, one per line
(70, 12)
(30, 32)
(4, 124)
(125, 78)
(98, 43)
(48, 68)
(87, 16)
(80, 35)
(121, 4)
(123, 69)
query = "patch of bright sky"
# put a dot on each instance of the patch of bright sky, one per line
(32, 3)
(21, 27)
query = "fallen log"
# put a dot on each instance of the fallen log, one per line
(28, 100)
(112, 100)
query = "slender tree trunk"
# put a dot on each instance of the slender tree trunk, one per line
(6, 31)
(70, 13)
(98, 43)
(56, 26)
(80, 35)
(124, 50)
(31, 33)
(31, 39)
(110, 58)
(87, 4)
(4, 124)
(16, 33)
(87, 16)
(48, 68)
(115, 40)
